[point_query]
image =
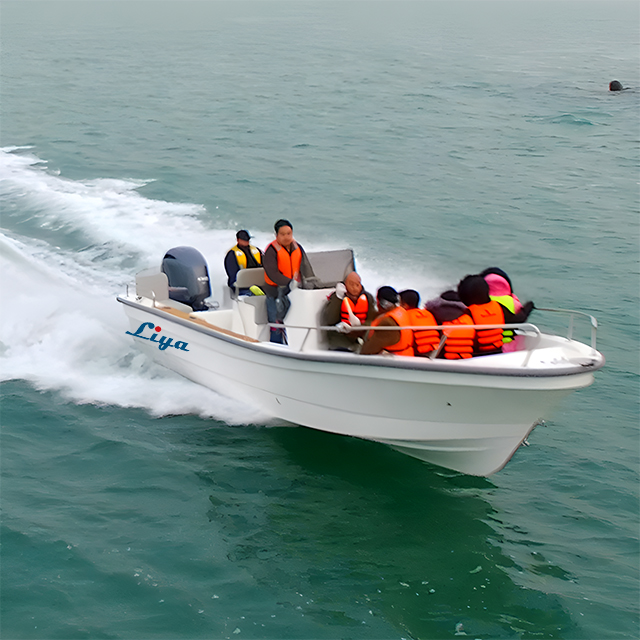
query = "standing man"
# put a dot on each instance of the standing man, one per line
(243, 256)
(282, 262)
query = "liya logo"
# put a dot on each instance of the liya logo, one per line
(162, 341)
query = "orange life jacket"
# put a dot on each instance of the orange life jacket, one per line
(488, 340)
(359, 309)
(404, 346)
(459, 342)
(288, 263)
(427, 340)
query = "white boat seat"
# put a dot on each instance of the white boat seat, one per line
(253, 314)
(248, 277)
(154, 284)
(260, 304)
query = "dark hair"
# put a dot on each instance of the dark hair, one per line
(473, 290)
(450, 295)
(282, 223)
(614, 85)
(388, 293)
(499, 272)
(410, 297)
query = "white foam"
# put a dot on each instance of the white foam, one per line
(60, 335)
(105, 211)
(62, 328)
(401, 276)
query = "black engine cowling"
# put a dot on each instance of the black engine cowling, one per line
(188, 276)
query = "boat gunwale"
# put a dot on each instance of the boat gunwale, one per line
(408, 364)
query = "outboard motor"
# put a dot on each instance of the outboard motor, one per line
(188, 276)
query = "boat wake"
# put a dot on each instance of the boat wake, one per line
(61, 333)
(68, 247)
(62, 264)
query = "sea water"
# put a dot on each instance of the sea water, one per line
(435, 139)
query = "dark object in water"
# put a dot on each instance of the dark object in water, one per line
(614, 85)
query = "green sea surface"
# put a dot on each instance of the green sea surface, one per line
(435, 139)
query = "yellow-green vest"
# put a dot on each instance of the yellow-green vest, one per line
(241, 257)
(509, 303)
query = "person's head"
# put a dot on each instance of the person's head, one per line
(498, 272)
(614, 85)
(498, 286)
(284, 232)
(387, 298)
(450, 296)
(353, 283)
(473, 290)
(242, 238)
(409, 299)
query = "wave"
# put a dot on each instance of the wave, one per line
(88, 212)
(565, 119)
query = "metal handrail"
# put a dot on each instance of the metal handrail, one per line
(572, 313)
(524, 326)
(527, 326)
(367, 327)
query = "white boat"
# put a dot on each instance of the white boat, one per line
(466, 415)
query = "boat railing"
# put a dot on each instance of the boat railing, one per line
(446, 327)
(572, 314)
(525, 327)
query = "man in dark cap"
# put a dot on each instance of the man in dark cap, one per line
(398, 342)
(242, 256)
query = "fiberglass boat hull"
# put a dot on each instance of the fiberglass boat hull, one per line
(465, 418)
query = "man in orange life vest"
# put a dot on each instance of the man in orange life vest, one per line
(398, 342)
(349, 305)
(447, 309)
(427, 340)
(243, 256)
(282, 262)
(474, 292)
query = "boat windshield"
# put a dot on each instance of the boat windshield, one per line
(324, 269)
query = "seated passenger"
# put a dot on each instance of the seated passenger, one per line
(474, 292)
(446, 307)
(449, 310)
(428, 340)
(500, 290)
(242, 256)
(398, 342)
(460, 341)
(348, 305)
